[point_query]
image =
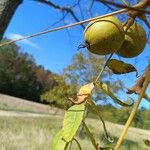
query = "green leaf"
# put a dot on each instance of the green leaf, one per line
(120, 67)
(90, 135)
(147, 142)
(72, 120)
(106, 89)
(58, 143)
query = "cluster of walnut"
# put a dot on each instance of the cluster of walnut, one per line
(109, 35)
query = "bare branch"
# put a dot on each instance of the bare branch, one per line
(77, 23)
(49, 3)
(64, 27)
(62, 8)
(138, 7)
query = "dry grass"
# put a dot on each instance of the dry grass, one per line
(28, 133)
(133, 140)
(18, 104)
(17, 133)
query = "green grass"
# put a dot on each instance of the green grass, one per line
(27, 133)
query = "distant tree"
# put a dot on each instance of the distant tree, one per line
(20, 76)
(45, 77)
(83, 69)
(60, 93)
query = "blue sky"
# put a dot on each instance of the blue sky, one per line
(55, 50)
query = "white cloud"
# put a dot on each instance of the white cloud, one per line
(13, 36)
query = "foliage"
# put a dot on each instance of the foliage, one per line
(72, 120)
(84, 69)
(82, 74)
(20, 76)
(86, 91)
(59, 94)
(121, 115)
(79, 70)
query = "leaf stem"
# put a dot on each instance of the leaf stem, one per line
(80, 148)
(95, 109)
(90, 135)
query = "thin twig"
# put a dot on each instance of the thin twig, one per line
(127, 8)
(64, 27)
(135, 7)
(62, 9)
(100, 73)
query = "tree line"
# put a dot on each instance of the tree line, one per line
(20, 76)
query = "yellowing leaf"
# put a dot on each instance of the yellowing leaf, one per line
(72, 120)
(106, 89)
(86, 89)
(119, 67)
(58, 143)
(83, 93)
(147, 142)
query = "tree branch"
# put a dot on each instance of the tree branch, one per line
(7, 9)
(138, 7)
(61, 8)
(63, 27)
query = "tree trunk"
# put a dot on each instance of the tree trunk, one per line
(7, 9)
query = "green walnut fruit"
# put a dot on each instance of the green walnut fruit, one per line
(104, 36)
(134, 43)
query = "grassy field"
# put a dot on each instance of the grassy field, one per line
(17, 133)
(20, 130)
(29, 133)
(11, 103)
